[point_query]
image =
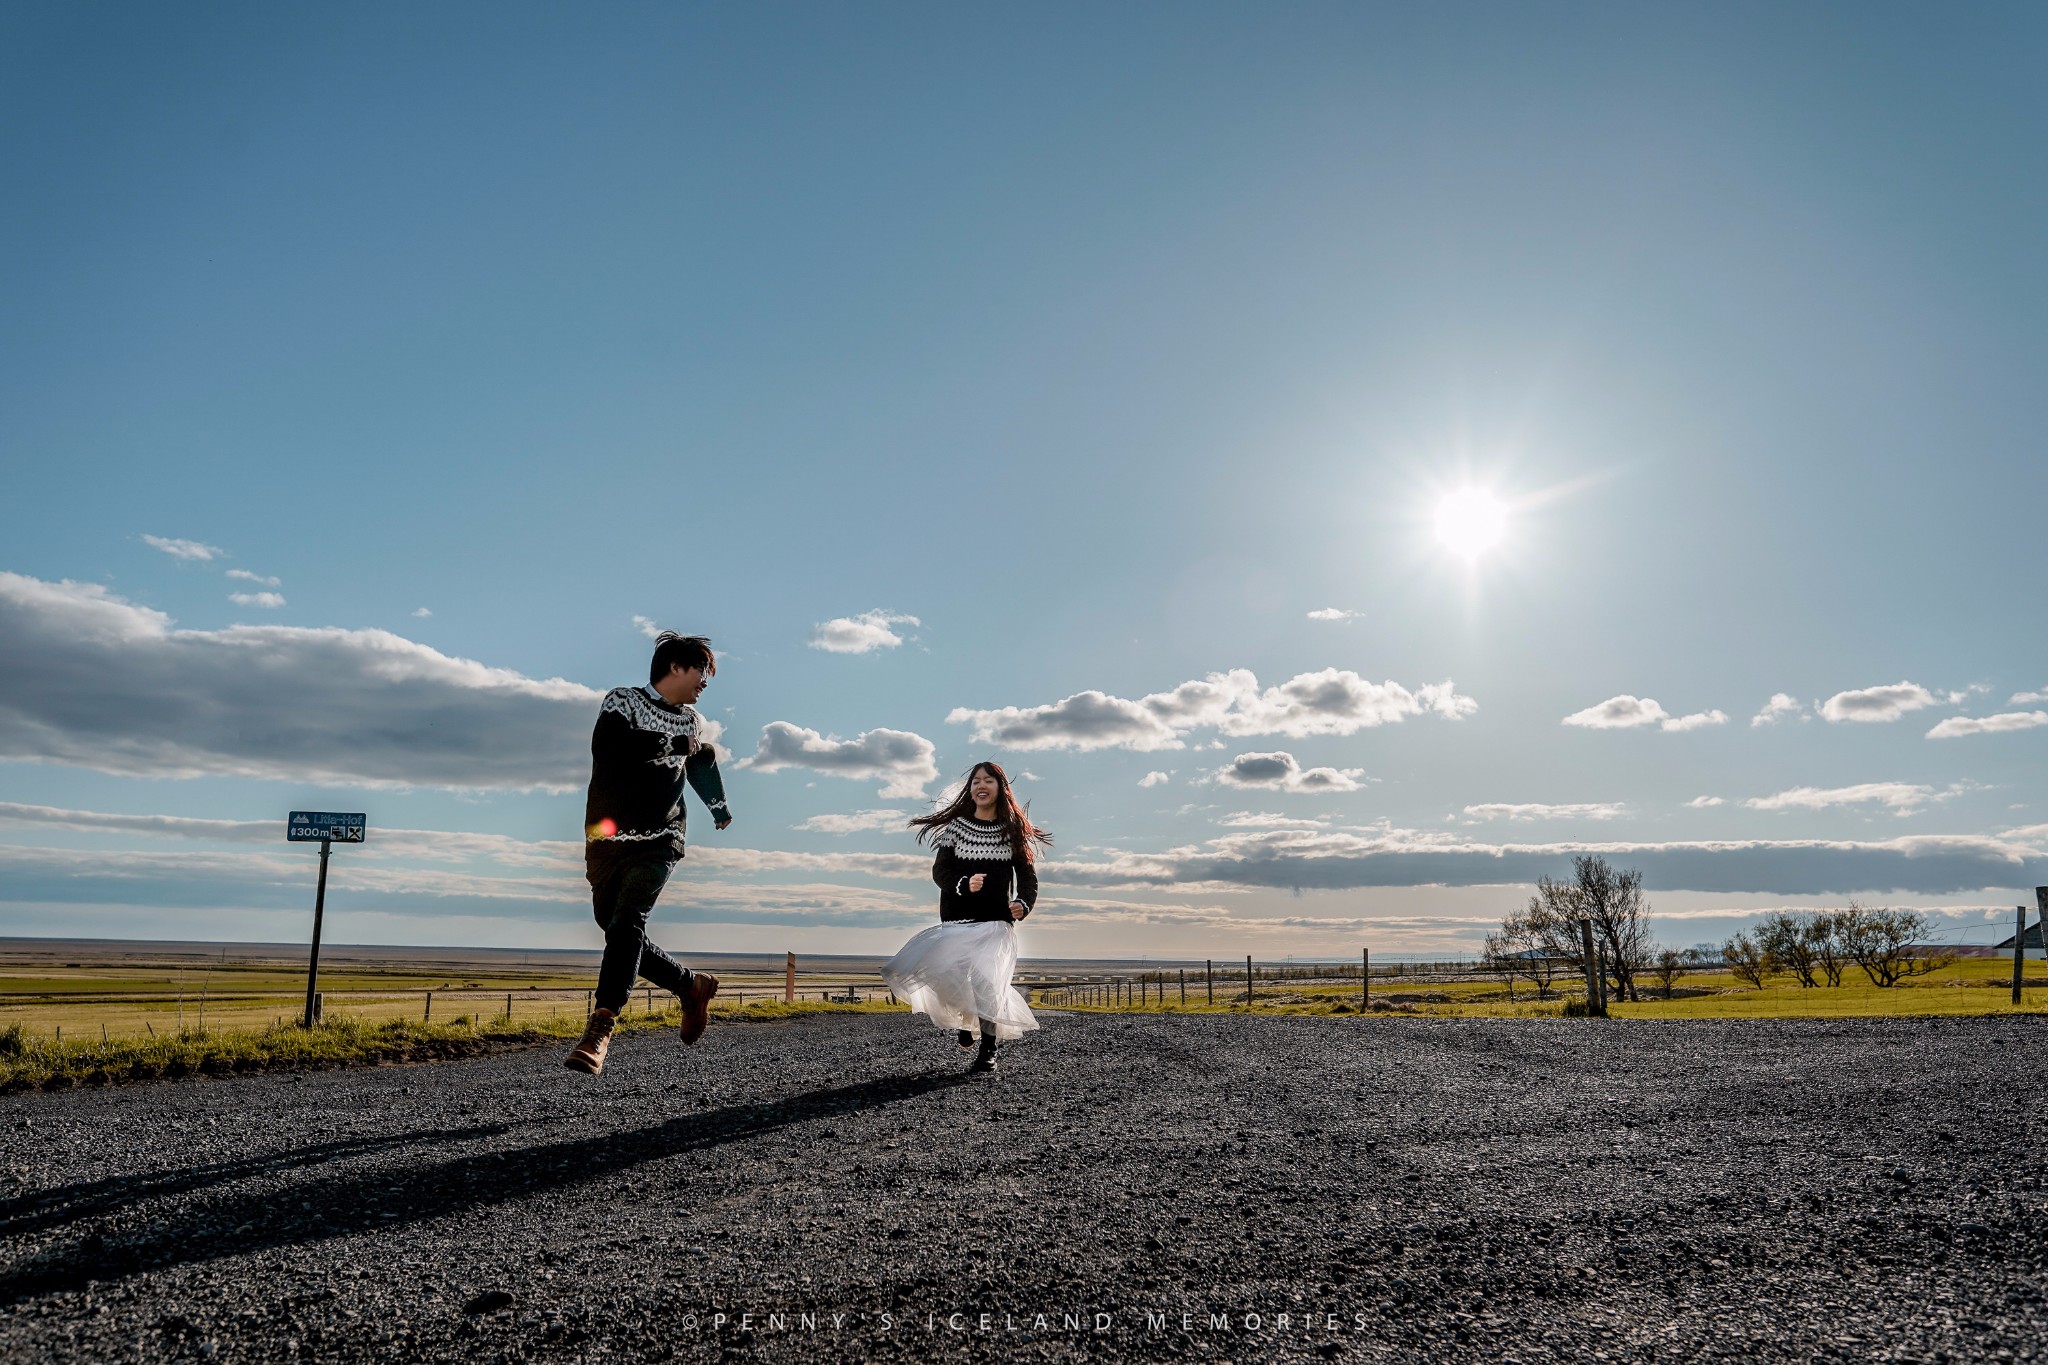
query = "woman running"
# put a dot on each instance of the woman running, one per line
(958, 971)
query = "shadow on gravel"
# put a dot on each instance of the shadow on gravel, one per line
(390, 1199)
(69, 1203)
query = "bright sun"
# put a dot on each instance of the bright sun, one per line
(1470, 521)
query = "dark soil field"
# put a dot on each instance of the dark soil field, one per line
(1126, 1187)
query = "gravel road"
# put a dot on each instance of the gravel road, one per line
(832, 1187)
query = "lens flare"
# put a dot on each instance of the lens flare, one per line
(1471, 521)
(603, 829)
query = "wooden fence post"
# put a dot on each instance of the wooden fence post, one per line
(1183, 985)
(1592, 967)
(1247, 980)
(428, 1017)
(508, 1004)
(1364, 978)
(789, 980)
(2019, 949)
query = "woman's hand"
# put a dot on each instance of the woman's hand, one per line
(1018, 909)
(974, 882)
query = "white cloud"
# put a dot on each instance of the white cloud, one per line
(862, 634)
(1626, 712)
(1280, 772)
(1086, 720)
(309, 705)
(178, 826)
(1903, 797)
(1339, 702)
(1618, 713)
(422, 613)
(1876, 705)
(1307, 859)
(853, 822)
(1535, 810)
(185, 549)
(2027, 698)
(257, 599)
(1334, 614)
(260, 580)
(1704, 802)
(432, 844)
(1155, 778)
(1781, 705)
(1247, 819)
(646, 626)
(1330, 702)
(1988, 725)
(901, 759)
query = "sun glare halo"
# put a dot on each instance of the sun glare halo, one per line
(1471, 521)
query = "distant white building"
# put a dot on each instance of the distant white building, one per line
(2030, 945)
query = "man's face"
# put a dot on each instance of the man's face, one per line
(690, 682)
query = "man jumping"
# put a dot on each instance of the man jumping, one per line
(648, 741)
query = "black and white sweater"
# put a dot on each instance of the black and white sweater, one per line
(641, 753)
(967, 846)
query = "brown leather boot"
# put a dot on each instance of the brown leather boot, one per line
(697, 1005)
(588, 1055)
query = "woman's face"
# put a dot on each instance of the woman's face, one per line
(983, 787)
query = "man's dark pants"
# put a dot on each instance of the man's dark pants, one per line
(623, 895)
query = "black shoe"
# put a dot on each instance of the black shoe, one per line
(985, 1060)
(966, 1038)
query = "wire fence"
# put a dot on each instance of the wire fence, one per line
(1232, 983)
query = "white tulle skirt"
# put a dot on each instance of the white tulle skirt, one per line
(959, 974)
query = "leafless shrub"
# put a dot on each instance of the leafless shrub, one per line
(1881, 942)
(1670, 966)
(1747, 959)
(1612, 902)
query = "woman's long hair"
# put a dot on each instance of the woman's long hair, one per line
(1023, 833)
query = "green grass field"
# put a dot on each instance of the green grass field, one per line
(31, 1061)
(114, 1002)
(1970, 986)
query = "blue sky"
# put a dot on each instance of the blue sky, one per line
(1084, 352)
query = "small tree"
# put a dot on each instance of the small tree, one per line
(1881, 943)
(1670, 966)
(1612, 903)
(1785, 938)
(1518, 950)
(1824, 940)
(1746, 959)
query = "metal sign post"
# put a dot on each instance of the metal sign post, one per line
(329, 827)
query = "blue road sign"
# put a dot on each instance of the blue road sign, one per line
(343, 827)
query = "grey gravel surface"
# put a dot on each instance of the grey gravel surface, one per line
(1126, 1187)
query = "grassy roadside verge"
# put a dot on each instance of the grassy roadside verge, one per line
(1968, 990)
(31, 1062)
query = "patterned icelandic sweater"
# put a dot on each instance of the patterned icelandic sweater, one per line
(967, 846)
(641, 753)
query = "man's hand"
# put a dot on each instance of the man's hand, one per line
(974, 882)
(1018, 909)
(721, 824)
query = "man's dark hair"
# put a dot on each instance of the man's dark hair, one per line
(672, 651)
